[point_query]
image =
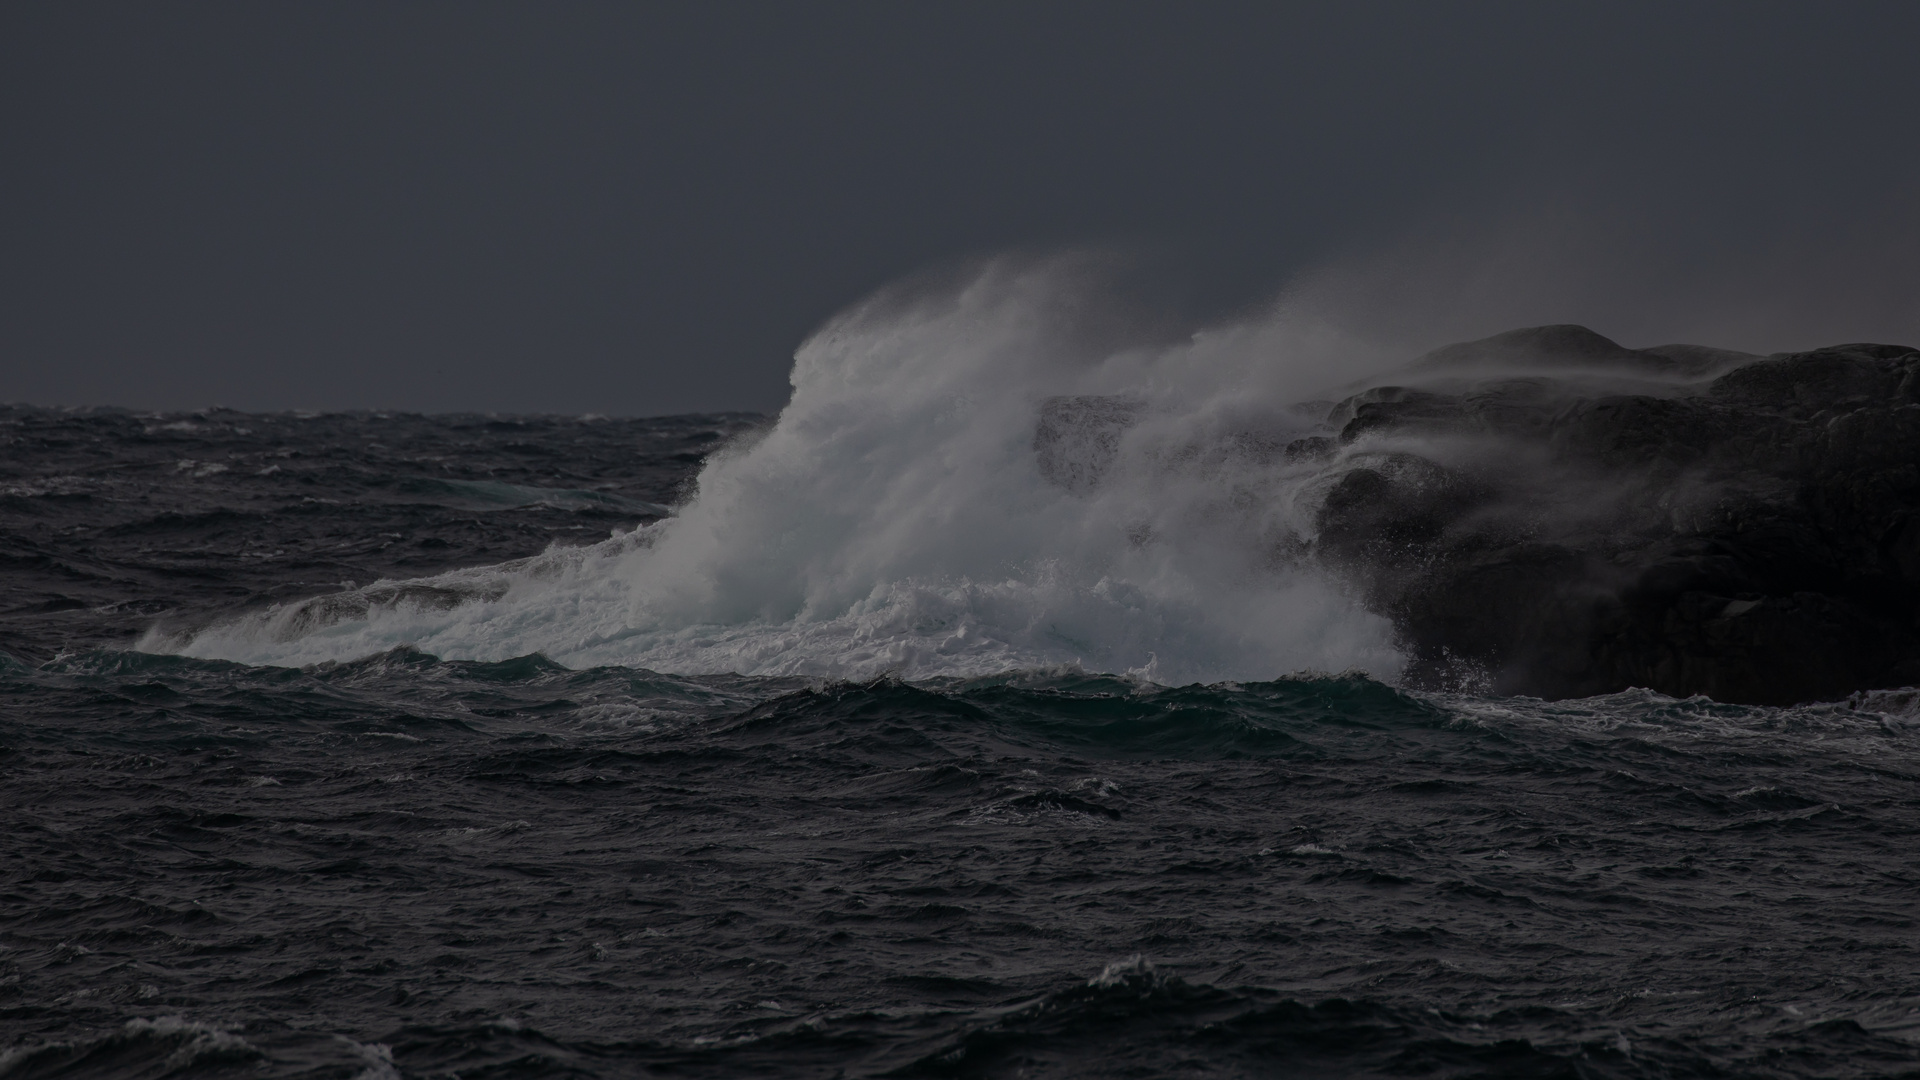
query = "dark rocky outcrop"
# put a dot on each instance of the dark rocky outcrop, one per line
(1711, 523)
(1546, 512)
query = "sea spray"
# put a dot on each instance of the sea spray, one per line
(512, 866)
(960, 485)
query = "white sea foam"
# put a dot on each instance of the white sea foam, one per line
(902, 516)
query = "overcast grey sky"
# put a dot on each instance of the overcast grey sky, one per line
(644, 208)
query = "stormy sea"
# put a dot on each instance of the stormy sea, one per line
(978, 715)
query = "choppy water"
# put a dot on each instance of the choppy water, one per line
(399, 865)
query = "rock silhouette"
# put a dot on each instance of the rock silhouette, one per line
(1548, 513)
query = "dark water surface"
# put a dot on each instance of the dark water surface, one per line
(402, 866)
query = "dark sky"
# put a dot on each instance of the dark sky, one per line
(644, 208)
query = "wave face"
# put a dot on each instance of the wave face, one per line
(409, 867)
(962, 484)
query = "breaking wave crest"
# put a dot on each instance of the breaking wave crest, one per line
(961, 485)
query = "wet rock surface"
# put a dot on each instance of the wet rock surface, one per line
(1548, 513)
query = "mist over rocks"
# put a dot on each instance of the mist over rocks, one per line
(1741, 527)
(1546, 512)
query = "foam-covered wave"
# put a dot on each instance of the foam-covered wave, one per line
(960, 485)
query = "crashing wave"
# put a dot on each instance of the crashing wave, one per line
(958, 487)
